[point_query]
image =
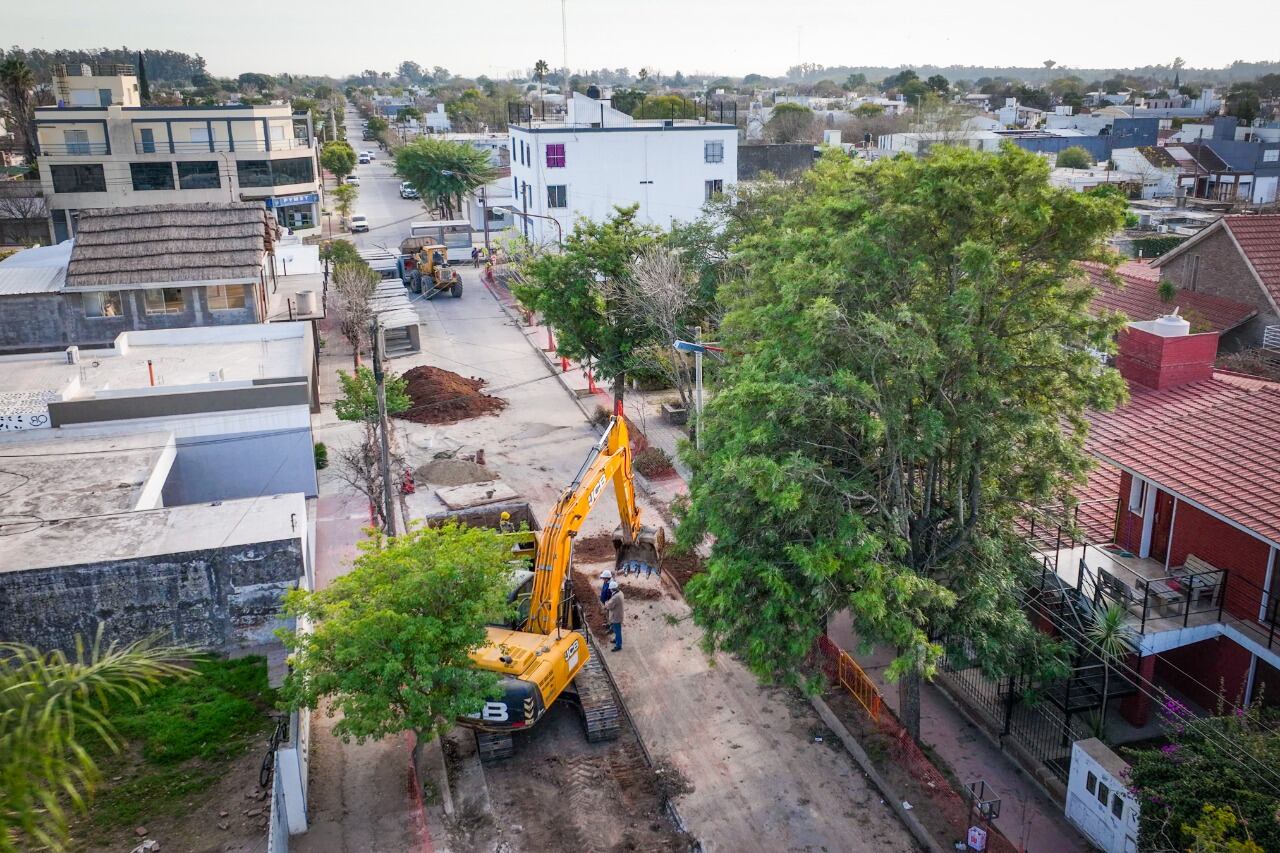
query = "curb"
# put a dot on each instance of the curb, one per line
(909, 820)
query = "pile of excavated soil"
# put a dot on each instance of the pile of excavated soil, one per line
(443, 397)
(453, 472)
(640, 593)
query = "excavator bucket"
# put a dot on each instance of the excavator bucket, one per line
(641, 557)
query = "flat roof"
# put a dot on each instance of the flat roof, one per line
(153, 533)
(47, 474)
(203, 356)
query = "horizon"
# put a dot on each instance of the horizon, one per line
(710, 39)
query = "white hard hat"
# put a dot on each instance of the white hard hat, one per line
(606, 574)
(613, 585)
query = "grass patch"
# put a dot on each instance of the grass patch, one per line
(175, 743)
(211, 715)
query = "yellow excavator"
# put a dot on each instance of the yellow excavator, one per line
(543, 654)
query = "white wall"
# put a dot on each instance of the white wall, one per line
(1094, 791)
(663, 169)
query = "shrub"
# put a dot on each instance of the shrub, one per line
(1154, 247)
(601, 417)
(1074, 157)
(322, 456)
(653, 462)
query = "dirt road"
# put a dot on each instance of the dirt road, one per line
(759, 780)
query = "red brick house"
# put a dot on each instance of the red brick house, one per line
(1237, 258)
(1196, 520)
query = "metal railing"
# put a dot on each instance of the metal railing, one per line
(75, 149)
(1271, 339)
(164, 146)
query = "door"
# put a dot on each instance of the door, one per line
(77, 141)
(1162, 526)
(148, 140)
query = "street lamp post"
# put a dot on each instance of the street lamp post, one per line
(698, 347)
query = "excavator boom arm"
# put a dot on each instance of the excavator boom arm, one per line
(608, 461)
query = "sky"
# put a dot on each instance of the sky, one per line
(500, 38)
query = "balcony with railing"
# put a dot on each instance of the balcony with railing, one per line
(164, 146)
(74, 149)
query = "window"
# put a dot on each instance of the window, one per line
(200, 134)
(167, 300)
(1271, 156)
(1137, 491)
(77, 141)
(226, 297)
(254, 173)
(277, 132)
(714, 188)
(557, 196)
(713, 152)
(104, 97)
(1104, 793)
(1117, 806)
(199, 175)
(79, 179)
(555, 156)
(298, 170)
(152, 176)
(148, 137)
(102, 303)
(1091, 783)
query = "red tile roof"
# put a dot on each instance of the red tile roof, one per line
(1138, 298)
(1214, 443)
(1259, 239)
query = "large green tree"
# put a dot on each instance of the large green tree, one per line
(338, 157)
(444, 171)
(52, 709)
(390, 641)
(17, 80)
(570, 290)
(911, 360)
(790, 123)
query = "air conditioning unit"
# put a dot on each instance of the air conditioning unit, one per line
(1162, 229)
(73, 355)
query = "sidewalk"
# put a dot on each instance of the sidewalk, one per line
(1028, 818)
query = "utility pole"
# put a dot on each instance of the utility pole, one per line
(564, 44)
(388, 491)
(697, 387)
(484, 214)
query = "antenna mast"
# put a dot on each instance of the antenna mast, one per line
(564, 42)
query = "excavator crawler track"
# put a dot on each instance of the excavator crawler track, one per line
(494, 746)
(600, 712)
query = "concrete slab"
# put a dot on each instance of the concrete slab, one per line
(475, 494)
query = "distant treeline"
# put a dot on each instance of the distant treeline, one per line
(163, 66)
(1236, 71)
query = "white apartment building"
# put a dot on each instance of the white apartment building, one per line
(597, 158)
(99, 147)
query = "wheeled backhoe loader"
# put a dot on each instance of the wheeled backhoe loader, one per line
(544, 654)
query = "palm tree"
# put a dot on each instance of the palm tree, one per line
(1112, 641)
(540, 69)
(51, 708)
(17, 81)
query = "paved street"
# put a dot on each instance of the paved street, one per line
(389, 215)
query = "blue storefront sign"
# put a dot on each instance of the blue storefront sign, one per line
(292, 200)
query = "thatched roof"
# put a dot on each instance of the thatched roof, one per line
(170, 243)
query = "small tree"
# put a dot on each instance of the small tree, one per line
(790, 123)
(377, 126)
(353, 287)
(344, 199)
(1074, 157)
(51, 708)
(360, 467)
(359, 400)
(569, 290)
(390, 641)
(1113, 641)
(339, 158)
(338, 252)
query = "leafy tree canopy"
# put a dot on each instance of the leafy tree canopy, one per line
(338, 157)
(1074, 157)
(900, 379)
(566, 289)
(359, 401)
(390, 641)
(1197, 787)
(444, 171)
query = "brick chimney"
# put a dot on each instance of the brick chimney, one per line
(1163, 353)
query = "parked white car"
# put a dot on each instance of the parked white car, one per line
(359, 222)
(353, 180)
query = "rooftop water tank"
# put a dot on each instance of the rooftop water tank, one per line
(307, 303)
(1171, 326)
